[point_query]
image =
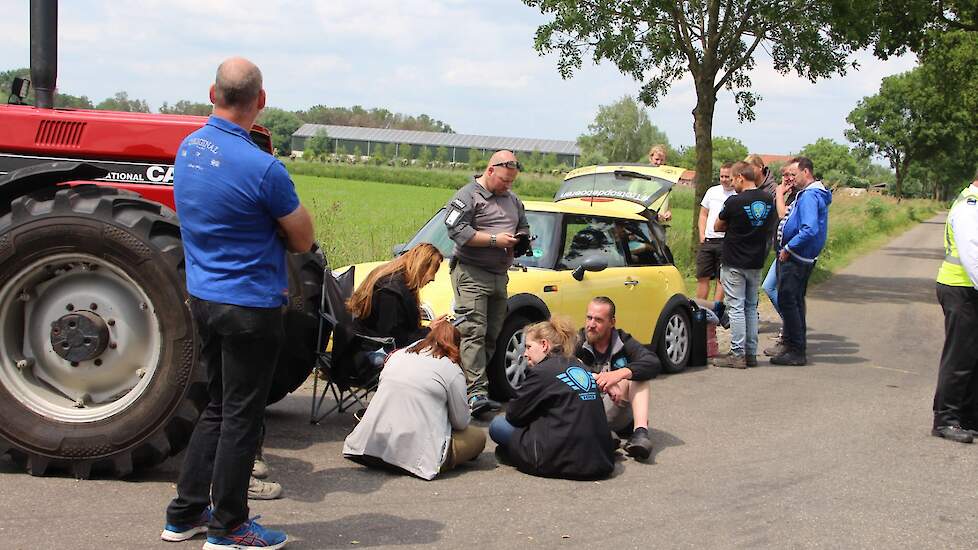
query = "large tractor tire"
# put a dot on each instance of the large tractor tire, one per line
(97, 349)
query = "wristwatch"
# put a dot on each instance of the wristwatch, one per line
(492, 241)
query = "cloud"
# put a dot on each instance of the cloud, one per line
(470, 63)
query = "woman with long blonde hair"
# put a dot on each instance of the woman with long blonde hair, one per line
(387, 302)
(556, 426)
(418, 421)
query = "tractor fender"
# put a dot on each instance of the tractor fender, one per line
(44, 176)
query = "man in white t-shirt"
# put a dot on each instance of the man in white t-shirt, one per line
(711, 241)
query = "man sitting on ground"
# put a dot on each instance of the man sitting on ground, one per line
(623, 369)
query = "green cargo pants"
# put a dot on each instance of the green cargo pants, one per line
(480, 295)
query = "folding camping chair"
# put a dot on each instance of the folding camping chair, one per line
(351, 372)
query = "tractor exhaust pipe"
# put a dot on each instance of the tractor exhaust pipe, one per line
(44, 51)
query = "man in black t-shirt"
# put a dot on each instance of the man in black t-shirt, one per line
(746, 218)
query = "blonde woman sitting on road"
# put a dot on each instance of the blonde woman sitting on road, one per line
(556, 426)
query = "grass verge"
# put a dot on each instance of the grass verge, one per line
(361, 220)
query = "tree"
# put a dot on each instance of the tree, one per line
(185, 107)
(424, 156)
(919, 24)
(834, 162)
(282, 124)
(404, 151)
(659, 41)
(909, 120)
(902, 122)
(474, 159)
(372, 118)
(121, 102)
(317, 145)
(61, 100)
(725, 149)
(549, 161)
(621, 132)
(441, 154)
(377, 154)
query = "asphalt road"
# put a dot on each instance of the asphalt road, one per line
(836, 455)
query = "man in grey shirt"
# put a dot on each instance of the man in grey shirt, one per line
(484, 219)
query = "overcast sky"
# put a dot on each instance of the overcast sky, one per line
(470, 63)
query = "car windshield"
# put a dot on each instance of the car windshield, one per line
(623, 184)
(542, 230)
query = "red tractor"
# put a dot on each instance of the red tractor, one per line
(97, 346)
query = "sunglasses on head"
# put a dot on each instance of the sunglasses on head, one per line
(511, 164)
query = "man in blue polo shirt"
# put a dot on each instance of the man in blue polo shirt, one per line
(238, 215)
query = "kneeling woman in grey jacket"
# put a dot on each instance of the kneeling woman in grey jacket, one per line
(556, 426)
(418, 421)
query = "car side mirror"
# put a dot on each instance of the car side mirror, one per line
(590, 264)
(399, 249)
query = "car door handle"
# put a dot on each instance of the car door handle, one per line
(631, 282)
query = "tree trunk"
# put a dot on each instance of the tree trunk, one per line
(901, 170)
(703, 131)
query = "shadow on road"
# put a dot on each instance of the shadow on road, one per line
(304, 483)
(289, 428)
(833, 349)
(364, 530)
(859, 289)
(914, 253)
(661, 441)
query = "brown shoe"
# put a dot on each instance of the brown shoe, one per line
(775, 350)
(751, 360)
(731, 361)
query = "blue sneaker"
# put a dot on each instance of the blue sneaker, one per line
(247, 536)
(180, 533)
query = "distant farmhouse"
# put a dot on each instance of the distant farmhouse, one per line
(346, 138)
(689, 176)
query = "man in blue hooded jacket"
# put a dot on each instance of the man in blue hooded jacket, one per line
(801, 236)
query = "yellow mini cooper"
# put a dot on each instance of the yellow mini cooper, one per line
(598, 237)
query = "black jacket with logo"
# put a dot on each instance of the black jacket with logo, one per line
(561, 428)
(625, 352)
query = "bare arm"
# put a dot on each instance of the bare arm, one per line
(704, 215)
(297, 230)
(720, 225)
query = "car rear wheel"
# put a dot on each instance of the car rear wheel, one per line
(675, 345)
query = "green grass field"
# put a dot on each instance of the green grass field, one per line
(359, 221)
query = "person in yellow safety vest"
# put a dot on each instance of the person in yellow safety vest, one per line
(956, 398)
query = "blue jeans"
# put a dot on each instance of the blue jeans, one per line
(792, 285)
(770, 285)
(740, 287)
(501, 431)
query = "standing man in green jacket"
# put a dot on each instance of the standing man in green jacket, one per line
(956, 398)
(484, 219)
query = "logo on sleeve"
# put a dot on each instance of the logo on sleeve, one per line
(579, 380)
